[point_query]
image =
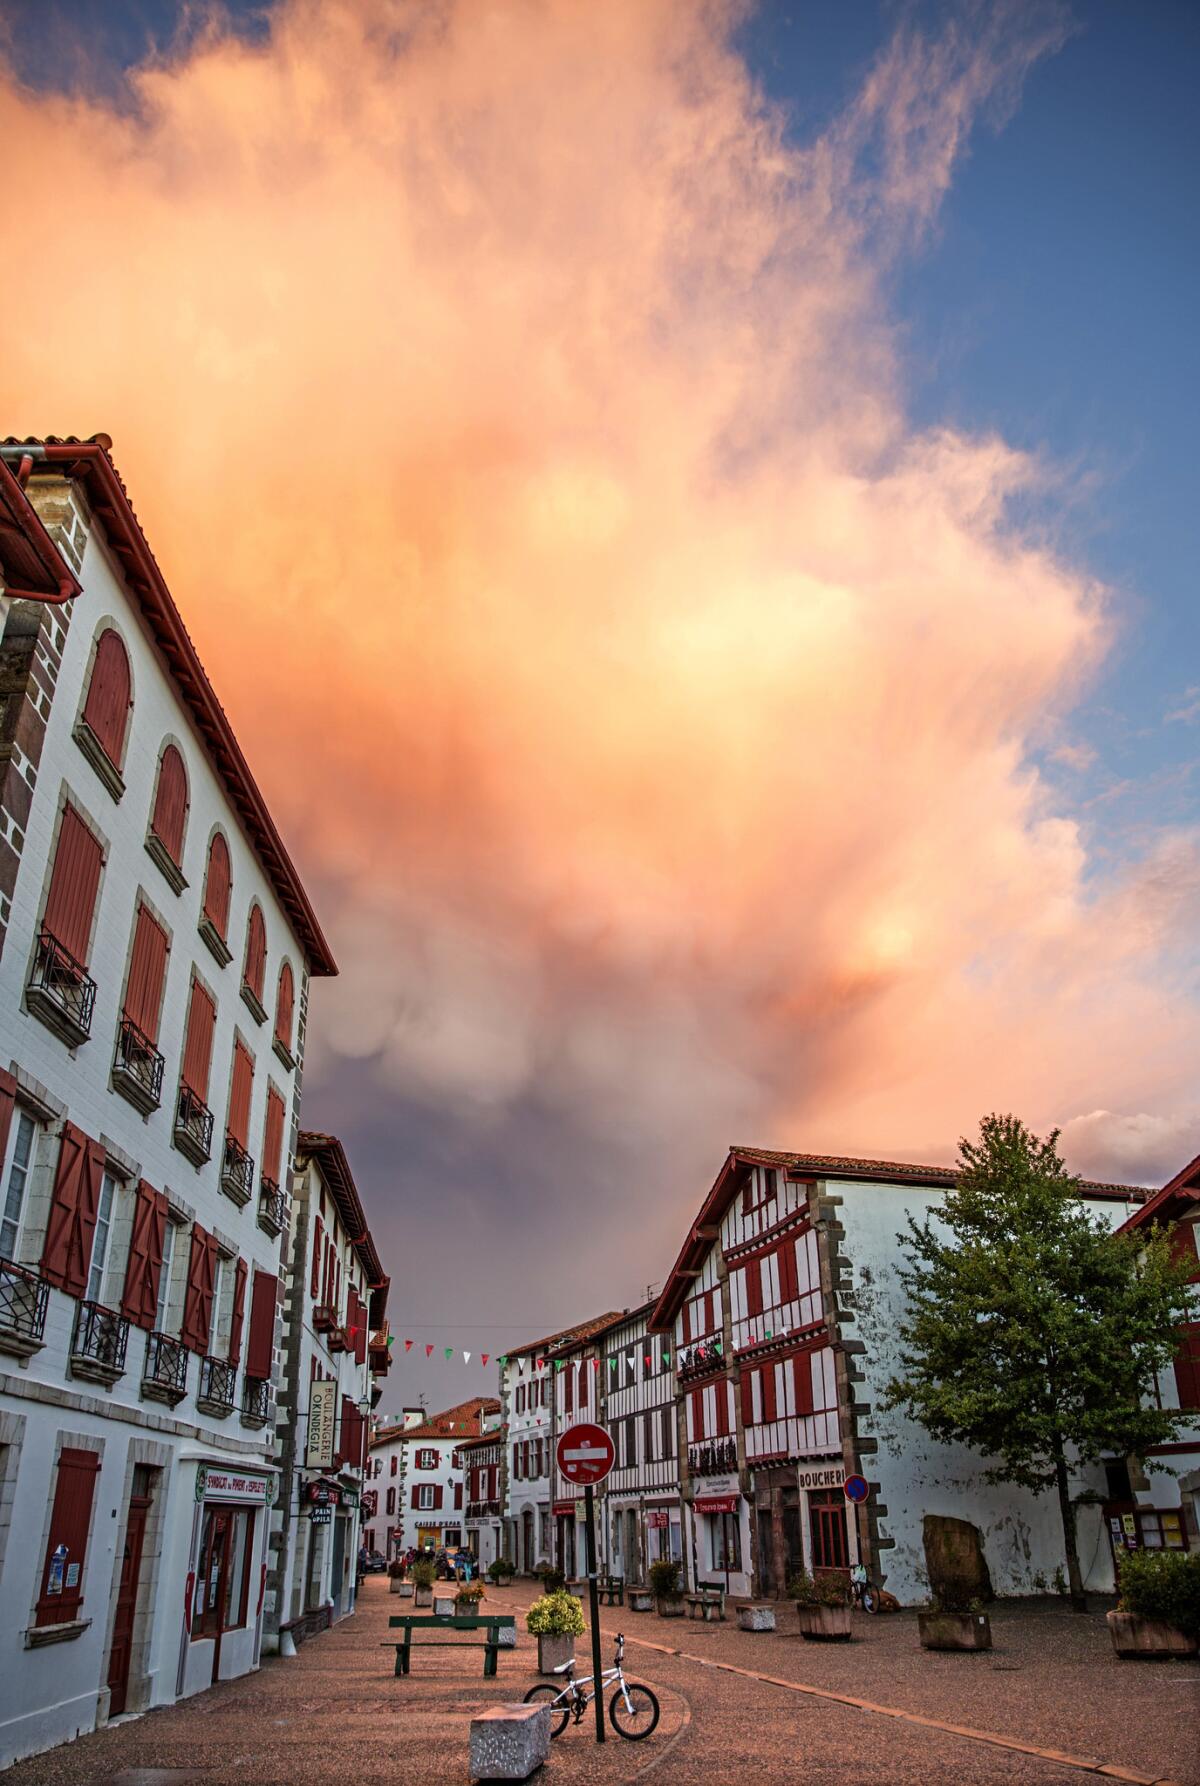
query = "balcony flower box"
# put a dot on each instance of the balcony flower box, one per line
(137, 1071)
(98, 1343)
(324, 1317)
(164, 1375)
(23, 1300)
(193, 1127)
(60, 992)
(337, 1339)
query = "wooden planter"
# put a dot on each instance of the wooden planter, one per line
(955, 1630)
(824, 1624)
(1133, 1636)
(553, 1650)
(669, 1609)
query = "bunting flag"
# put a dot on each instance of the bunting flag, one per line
(429, 1351)
(408, 1345)
(466, 1358)
(449, 1351)
(595, 1364)
(483, 1358)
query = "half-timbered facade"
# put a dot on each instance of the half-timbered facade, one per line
(483, 1527)
(642, 1512)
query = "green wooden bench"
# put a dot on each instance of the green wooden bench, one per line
(612, 1590)
(489, 1623)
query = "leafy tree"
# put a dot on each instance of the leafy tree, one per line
(1033, 1332)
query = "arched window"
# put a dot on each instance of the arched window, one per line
(217, 885)
(106, 709)
(255, 969)
(285, 1000)
(171, 804)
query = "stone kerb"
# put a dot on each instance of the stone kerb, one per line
(509, 1742)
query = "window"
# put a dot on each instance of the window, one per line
(285, 999)
(424, 1493)
(164, 1279)
(391, 1501)
(217, 886)
(66, 1547)
(100, 1236)
(170, 804)
(1161, 1530)
(726, 1541)
(147, 970)
(14, 1189)
(255, 967)
(74, 884)
(197, 1045)
(67, 1250)
(223, 1575)
(106, 710)
(393, 1461)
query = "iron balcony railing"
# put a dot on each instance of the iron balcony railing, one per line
(138, 1067)
(193, 1126)
(100, 1338)
(272, 1206)
(483, 1509)
(218, 1379)
(165, 1374)
(237, 1171)
(256, 1400)
(23, 1299)
(714, 1459)
(705, 1355)
(60, 991)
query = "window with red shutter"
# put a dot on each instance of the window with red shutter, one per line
(722, 1394)
(458, 1488)
(789, 1281)
(255, 968)
(261, 1344)
(8, 1103)
(71, 1223)
(139, 1299)
(147, 970)
(196, 1332)
(698, 1414)
(768, 1392)
(747, 1398)
(106, 709)
(804, 1388)
(217, 885)
(239, 1094)
(1187, 1366)
(753, 1278)
(198, 1041)
(237, 1312)
(61, 1593)
(272, 1154)
(285, 999)
(438, 1494)
(314, 1287)
(170, 804)
(74, 884)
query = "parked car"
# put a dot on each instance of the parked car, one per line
(375, 1564)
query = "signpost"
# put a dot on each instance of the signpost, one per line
(856, 1489)
(322, 1416)
(585, 1455)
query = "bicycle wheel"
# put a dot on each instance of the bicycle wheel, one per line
(545, 1694)
(633, 1726)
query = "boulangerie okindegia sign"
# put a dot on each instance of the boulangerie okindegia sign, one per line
(322, 1423)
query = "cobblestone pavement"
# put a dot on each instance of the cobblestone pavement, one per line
(336, 1712)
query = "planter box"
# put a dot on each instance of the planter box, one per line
(395, 1585)
(640, 1600)
(504, 1581)
(443, 1605)
(824, 1624)
(756, 1618)
(955, 1630)
(553, 1651)
(1134, 1636)
(405, 1589)
(669, 1609)
(423, 1597)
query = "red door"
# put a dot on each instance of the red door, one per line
(127, 1591)
(827, 1516)
(213, 1585)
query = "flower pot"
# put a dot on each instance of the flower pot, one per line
(954, 1630)
(1135, 1636)
(669, 1609)
(824, 1624)
(553, 1650)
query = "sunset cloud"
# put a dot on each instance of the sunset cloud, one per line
(515, 410)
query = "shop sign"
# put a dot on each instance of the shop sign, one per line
(829, 1478)
(564, 1509)
(717, 1503)
(322, 1419)
(323, 1494)
(658, 1522)
(231, 1485)
(717, 1485)
(322, 1514)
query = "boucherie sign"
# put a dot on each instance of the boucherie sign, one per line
(830, 1478)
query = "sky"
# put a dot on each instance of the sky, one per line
(691, 511)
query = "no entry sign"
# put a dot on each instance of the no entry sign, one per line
(585, 1455)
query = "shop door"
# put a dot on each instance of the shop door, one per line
(527, 1557)
(793, 1547)
(213, 1584)
(120, 1654)
(337, 1585)
(827, 1524)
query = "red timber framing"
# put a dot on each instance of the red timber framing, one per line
(71, 1224)
(74, 884)
(31, 565)
(139, 1299)
(63, 1567)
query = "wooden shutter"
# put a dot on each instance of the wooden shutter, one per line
(722, 1401)
(569, 1390)
(256, 953)
(438, 1494)
(107, 706)
(8, 1103)
(171, 804)
(238, 1312)
(747, 1398)
(804, 1388)
(1187, 1366)
(768, 1392)
(198, 1041)
(71, 1224)
(70, 1517)
(239, 1094)
(272, 1158)
(196, 1332)
(285, 1000)
(789, 1281)
(139, 1299)
(74, 883)
(261, 1342)
(217, 882)
(143, 995)
(314, 1287)
(754, 1294)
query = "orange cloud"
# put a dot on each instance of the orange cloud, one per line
(514, 409)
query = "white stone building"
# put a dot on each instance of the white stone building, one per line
(482, 1462)
(418, 1470)
(155, 951)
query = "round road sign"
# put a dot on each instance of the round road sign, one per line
(585, 1455)
(855, 1488)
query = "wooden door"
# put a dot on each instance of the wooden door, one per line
(121, 1652)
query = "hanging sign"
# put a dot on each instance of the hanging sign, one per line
(322, 1419)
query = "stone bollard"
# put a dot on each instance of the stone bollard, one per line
(443, 1605)
(756, 1618)
(509, 1742)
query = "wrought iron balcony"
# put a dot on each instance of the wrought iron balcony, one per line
(137, 1067)
(272, 1206)
(98, 1343)
(193, 1126)
(164, 1377)
(60, 991)
(256, 1401)
(237, 1171)
(218, 1379)
(483, 1509)
(698, 1360)
(23, 1299)
(717, 1458)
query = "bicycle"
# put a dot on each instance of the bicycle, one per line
(633, 1711)
(866, 1592)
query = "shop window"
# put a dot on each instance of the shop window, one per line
(726, 1541)
(222, 1592)
(1161, 1530)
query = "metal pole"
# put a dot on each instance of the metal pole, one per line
(594, 1606)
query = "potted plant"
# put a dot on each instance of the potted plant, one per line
(556, 1620)
(553, 1580)
(665, 1586)
(424, 1575)
(396, 1574)
(502, 1571)
(823, 1606)
(466, 1601)
(1158, 1613)
(954, 1621)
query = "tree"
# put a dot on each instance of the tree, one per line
(1033, 1332)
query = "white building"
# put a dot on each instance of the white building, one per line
(482, 1462)
(418, 1472)
(642, 1506)
(335, 1346)
(156, 949)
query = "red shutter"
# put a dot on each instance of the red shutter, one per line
(239, 1094)
(107, 706)
(67, 1252)
(74, 883)
(789, 1281)
(198, 1041)
(458, 1488)
(360, 1335)
(262, 1324)
(697, 1414)
(569, 1390)
(438, 1494)
(315, 1285)
(272, 1159)
(414, 1494)
(196, 1332)
(1187, 1366)
(747, 1399)
(687, 1323)
(256, 953)
(217, 885)
(346, 1438)
(722, 1395)
(171, 804)
(754, 1298)
(804, 1389)
(768, 1392)
(139, 1299)
(143, 995)
(8, 1103)
(285, 1000)
(74, 1489)
(238, 1313)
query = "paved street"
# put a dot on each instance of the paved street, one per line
(1051, 1684)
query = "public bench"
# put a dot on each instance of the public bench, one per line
(490, 1624)
(709, 1603)
(612, 1590)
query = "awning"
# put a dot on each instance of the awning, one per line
(564, 1509)
(717, 1503)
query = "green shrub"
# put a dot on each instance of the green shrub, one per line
(424, 1572)
(664, 1580)
(501, 1566)
(1162, 1584)
(555, 1615)
(397, 1569)
(824, 1590)
(469, 1595)
(553, 1580)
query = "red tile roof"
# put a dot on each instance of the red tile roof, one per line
(558, 1342)
(329, 1153)
(447, 1425)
